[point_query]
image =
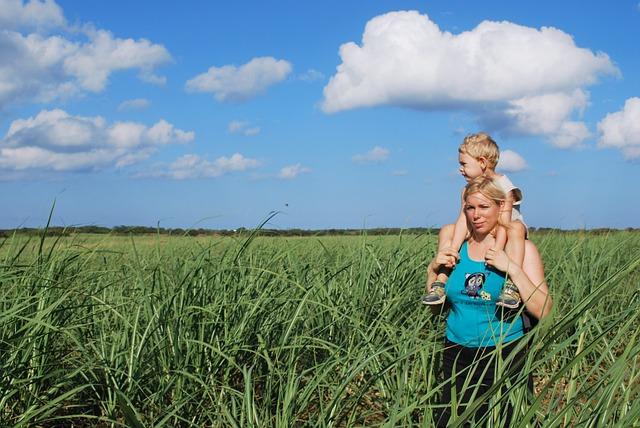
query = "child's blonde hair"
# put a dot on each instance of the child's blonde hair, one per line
(481, 145)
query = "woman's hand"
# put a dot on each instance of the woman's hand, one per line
(498, 259)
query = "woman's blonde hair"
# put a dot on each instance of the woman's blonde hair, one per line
(481, 145)
(487, 187)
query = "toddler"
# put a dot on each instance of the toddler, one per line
(478, 155)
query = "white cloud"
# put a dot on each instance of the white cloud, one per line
(621, 129)
(56, 140)
(148, 76)
(400, 173)
(34, 14)
(134, 104)
(231, 83)
(242, 127)
(311, 75)
(549, 115)
(43, 68)
(292, 171)
(93, 62)
(193, 166)
(511, 161)
(570, 134)
(512, 77)
(377, 154)
(164, 133)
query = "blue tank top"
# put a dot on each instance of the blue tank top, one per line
(472, 291)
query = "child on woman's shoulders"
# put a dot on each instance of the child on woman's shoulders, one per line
(478, 155)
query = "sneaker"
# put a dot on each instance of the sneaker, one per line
(509, 296)
(436, 296)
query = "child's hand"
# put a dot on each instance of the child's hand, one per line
(498, 259)
(447, 257)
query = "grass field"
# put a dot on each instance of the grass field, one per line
(151, 331)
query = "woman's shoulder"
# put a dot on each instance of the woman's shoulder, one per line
(463, 249)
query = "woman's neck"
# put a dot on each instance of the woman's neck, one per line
(477, 246)
(482, 239)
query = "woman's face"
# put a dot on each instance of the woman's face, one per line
(481, 212)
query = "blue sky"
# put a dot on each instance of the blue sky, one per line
(338, 114)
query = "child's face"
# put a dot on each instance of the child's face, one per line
(470, 167)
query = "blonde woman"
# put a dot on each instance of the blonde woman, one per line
(475, 327)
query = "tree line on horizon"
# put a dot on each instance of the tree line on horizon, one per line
(146, 230)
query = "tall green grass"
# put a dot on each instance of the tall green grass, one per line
(253, 331)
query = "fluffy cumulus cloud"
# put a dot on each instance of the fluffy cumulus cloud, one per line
(243, 128)
(513, 78)
(621, 130)
(292, 171)
(55, 140)
(193, 166)
(549, 115)
(377, 154)
(35, 66)
(511, 161)
(231, 83)
(34, 14)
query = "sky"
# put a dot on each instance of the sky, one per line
(334, 114)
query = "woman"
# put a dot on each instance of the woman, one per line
(476, 327)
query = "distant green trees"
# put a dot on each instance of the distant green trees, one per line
(145, 230)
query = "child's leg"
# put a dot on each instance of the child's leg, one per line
(434, 295)
(516, 233)
(445, 238)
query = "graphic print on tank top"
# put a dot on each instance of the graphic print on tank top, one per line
(473, 286)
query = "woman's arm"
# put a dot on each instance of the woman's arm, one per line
(529, 278)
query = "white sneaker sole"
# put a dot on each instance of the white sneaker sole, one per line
(505, 305)
(435, 302)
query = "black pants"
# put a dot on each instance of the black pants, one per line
(473, 371)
